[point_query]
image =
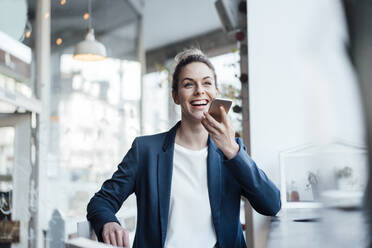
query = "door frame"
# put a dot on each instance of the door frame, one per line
(21, 172)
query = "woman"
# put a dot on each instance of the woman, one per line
(188, 181)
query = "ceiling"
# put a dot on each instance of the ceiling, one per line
(169, 21)
(115, 22)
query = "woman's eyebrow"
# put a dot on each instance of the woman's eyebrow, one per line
(186, 78)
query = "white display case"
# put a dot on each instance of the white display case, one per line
(309, 170)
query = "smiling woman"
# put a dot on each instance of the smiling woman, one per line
(195, 90)
(198, 164)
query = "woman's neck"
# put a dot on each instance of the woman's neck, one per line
(192, 135)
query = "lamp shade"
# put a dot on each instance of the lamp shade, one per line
(90, 49)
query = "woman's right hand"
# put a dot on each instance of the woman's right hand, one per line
(115, 235)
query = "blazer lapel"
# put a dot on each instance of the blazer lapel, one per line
(214, 183)
(165, 168)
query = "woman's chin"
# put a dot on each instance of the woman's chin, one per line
(197, 117)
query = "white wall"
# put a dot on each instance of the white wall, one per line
(302, 89)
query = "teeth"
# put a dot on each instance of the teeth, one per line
(199, 102)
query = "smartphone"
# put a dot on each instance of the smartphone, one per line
(214, 109)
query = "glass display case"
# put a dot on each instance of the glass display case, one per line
(310, 170)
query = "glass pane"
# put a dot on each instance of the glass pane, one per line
(6, 171)
(6, 157)
(96, 119)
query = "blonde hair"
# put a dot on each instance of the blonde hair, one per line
(186, 53)
(186, 57)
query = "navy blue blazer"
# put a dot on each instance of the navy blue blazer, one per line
(146, 170)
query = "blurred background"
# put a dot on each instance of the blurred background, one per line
(80, 79)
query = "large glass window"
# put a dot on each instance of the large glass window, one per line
(6, 158)
(95, 120)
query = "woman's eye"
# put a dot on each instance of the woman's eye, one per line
(208, 83)
(187, 85)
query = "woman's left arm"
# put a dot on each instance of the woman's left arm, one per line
(261, 192)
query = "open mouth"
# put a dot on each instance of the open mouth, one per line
(199, 102)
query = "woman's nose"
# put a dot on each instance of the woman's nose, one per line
(199, 90)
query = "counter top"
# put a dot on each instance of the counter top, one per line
(318, 227)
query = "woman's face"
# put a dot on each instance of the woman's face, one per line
(196, 89)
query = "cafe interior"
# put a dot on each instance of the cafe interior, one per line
(80, 79)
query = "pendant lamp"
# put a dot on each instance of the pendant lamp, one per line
(90, 49)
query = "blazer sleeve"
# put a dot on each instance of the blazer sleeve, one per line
(108, 200)
(261, 192)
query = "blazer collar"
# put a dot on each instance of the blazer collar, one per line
(165, 170)
(170, 137)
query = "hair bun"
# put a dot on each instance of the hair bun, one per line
(187, 53)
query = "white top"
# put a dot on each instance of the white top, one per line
(190, 218)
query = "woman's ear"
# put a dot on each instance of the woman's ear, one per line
(175, 97)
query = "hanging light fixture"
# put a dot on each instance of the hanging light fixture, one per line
(90, 49)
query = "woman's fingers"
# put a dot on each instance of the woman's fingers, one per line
(119, 237)
(224, 118)
(212, 122)
(113, 239)
(126, 239)
(106, 238)
(115, 235)
(222, 133)
(208, 127)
